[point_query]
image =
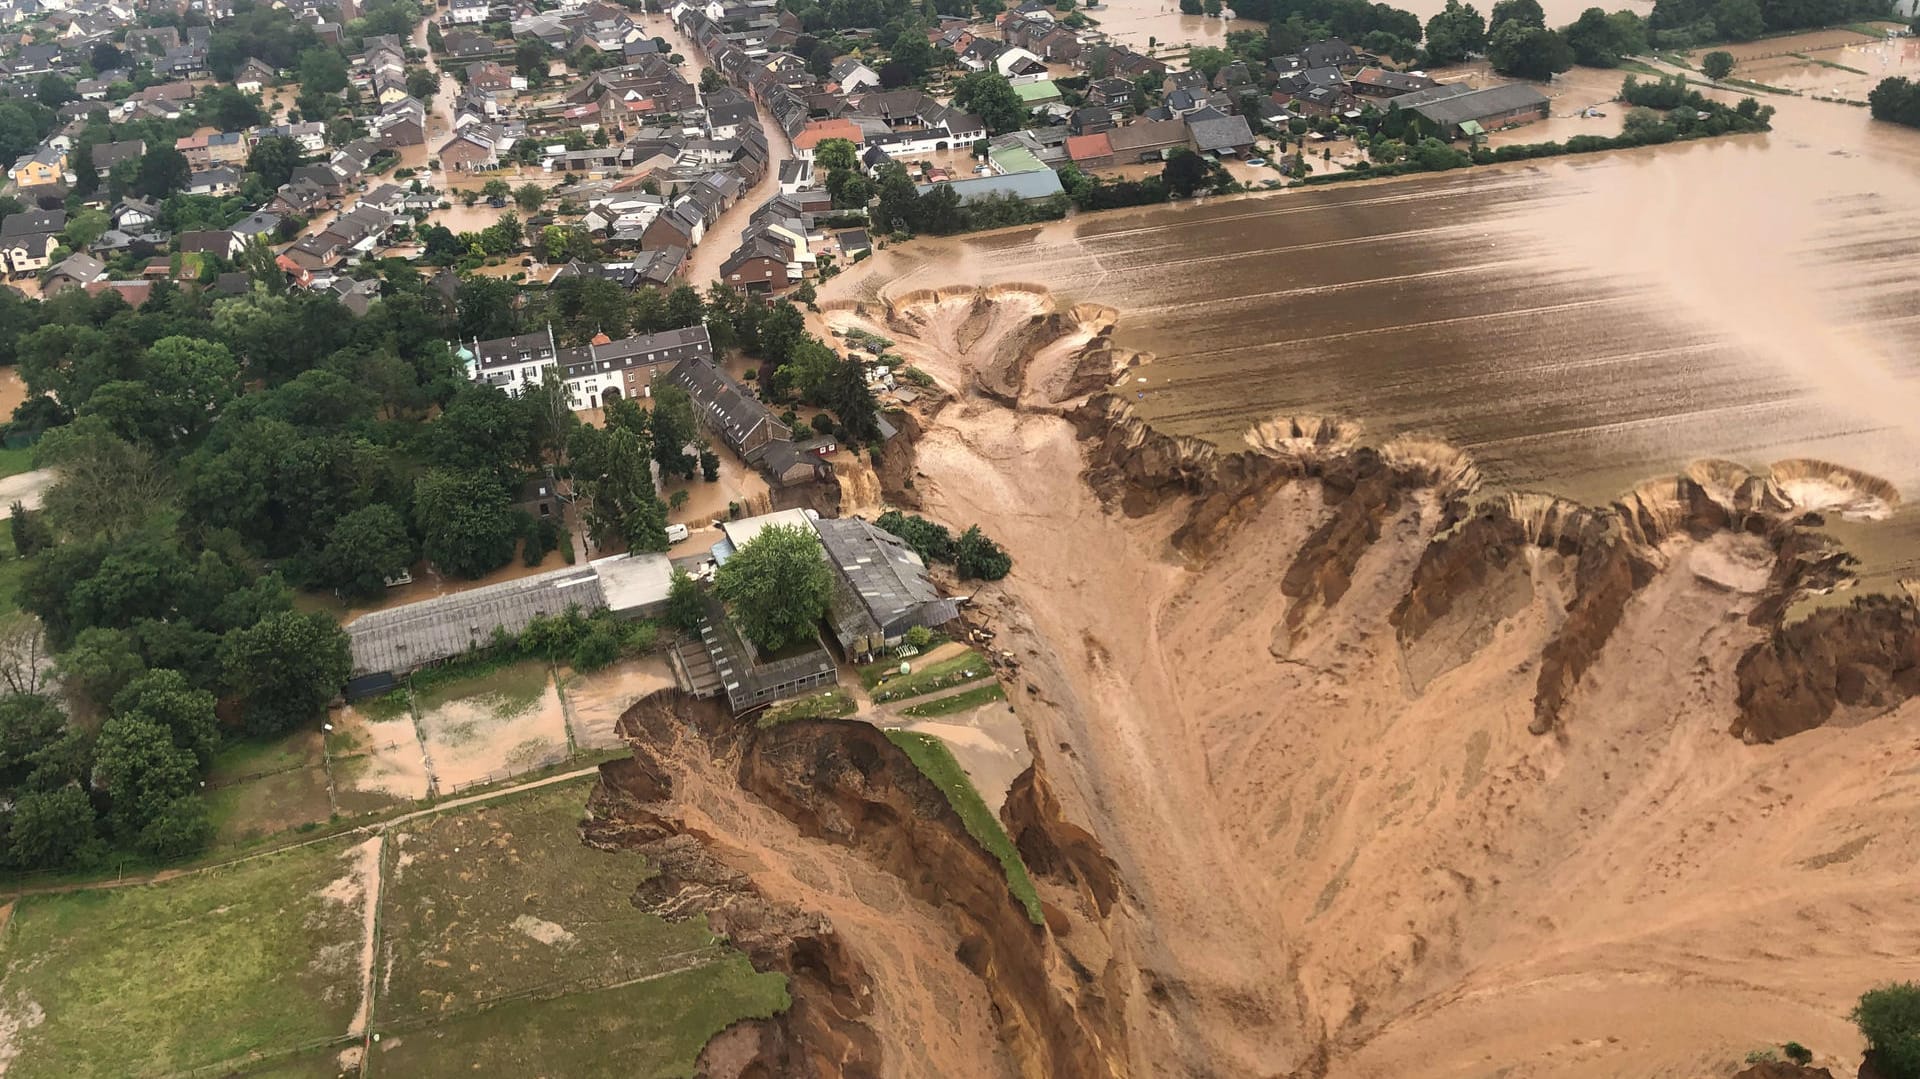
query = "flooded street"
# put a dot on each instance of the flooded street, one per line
(1577, 325)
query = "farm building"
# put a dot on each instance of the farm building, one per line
(880, 587)
(388, 645)
(1460, 111)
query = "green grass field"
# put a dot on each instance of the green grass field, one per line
(15, 461)
(888, 686)
(503, 900)
(831, 704)
(964, 701)
(645, 1030)
(160, 978)
(935, 760)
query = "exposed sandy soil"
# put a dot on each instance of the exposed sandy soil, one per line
(377, 762)
(595, 701)
(1332, 868)
(484, 735)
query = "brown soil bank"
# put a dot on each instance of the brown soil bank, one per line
(1399, 780)
(824, 853)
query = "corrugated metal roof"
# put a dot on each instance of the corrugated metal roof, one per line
(417, 634)
(1021, 185)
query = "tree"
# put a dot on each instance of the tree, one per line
(776, 586)
(1184, 173)
(227, 108)
(100, 664)
(709, 465)
(673, 430)
(1896, 100)
(846, 392)
(464, 522)
(285, 668)
(53, 90)
(932, 542)
(422, 84)
(1528, 52)
(1455, 33)
(1739, 20)
(273, 159)
(51, 829)
(683, 602)
(834, 154)
(1716, 65)
(85, 227)
(976, 556)
(711, 80)
(186, 713)
(531, 58)
(322, 71)
(496, 189)
(1601, 40)
(988, 95)
(529, 197)
(1524, 12)
(1889, 1019)
(363, 549)
(162, 171)
(142, 772)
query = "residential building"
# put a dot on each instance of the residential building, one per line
(597, 373)
(1380, 83)
(42, 167)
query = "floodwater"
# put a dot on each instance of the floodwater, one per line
(1578, 325)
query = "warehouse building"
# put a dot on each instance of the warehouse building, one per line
(1460, 111)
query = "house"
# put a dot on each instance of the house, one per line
(220, 181)
(28, 253)
(1457, 110)
(42, 167)
(796, 174)
(493, 78)
(1379, 82)
(254, 76)
(1090, 120)
(108, 154)
(473, 147)
(1218, 134)
(1332, 52)
(134, 215)
(468, 12)
(1093, 151)
(595, 374)
(880, 587)
(1146, 140)
(760, 264)
(467, 45)
(1111, 93)
(310, 135)
(221, 242)
(402, 123)
(819, 131)
(728, 110)
(74, 271)
(852, 76)
(741, 420)
(907, 122)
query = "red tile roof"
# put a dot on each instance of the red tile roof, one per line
(1087, 147)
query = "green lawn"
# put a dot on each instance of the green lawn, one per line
(964, 701)
(156, 979)
(832, 704)
(935, 760)
(504, 898)
(15, 461)
(12, 568)
(649, 1030)
(887, 685)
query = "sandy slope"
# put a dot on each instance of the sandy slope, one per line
(1332, 871)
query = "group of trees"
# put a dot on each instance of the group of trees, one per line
(1896, 100)
(1683, 23)
(1184, 175)
(903, 209)
(798, 367)
(988, 95)
(973, 555)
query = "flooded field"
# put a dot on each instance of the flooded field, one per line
(1578, 325)
(376, 756)
(596, 701)
(492, 727)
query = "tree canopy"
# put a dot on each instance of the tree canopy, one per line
(776, 586)
(988, 95)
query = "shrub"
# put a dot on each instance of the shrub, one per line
(919, 637)
(976, 556)
(1798, 1053)
(1889, 1019)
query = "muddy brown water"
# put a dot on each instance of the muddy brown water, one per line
(1578, 325)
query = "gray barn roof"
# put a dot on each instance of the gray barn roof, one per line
(881, 584)
(412, 636)
(1451, 105)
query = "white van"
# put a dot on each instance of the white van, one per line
(676, 533)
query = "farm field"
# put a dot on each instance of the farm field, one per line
(503, 946)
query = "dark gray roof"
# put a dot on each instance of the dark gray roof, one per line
(1450, 105)
(720, 400)
(417, 634)
(880, 585)
(1220, 132)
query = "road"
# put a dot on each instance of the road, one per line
(703, 265)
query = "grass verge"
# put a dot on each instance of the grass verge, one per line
(163, 978)
(15, 461)
(889, 686)
(965, 701)
(936, 762)
(833, 704)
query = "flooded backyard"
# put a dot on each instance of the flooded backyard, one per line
(1578, 325)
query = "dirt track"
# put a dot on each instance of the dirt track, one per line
(1332, 872)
